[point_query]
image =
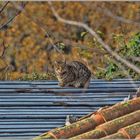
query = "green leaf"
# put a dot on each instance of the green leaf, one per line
(83, 34)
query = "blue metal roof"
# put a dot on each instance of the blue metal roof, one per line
(28, 109)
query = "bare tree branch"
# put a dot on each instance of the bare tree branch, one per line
(4, 6)
(93, 33)
(118, 18)
(133, 58)
(3, 50)
(3, 58)
(11, 19)
(39, 25)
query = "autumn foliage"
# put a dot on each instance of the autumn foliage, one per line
(30, 53)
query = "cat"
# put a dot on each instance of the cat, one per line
(74, 74)
(70, 119)
(138, 92)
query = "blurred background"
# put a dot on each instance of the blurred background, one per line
(29, 31)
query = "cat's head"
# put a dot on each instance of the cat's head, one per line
(60, 67)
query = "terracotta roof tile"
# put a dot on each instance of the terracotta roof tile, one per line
(129, 132)
(107, 121)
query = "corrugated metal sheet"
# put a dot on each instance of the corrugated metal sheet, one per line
(28, 109)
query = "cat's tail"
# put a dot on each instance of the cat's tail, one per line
(87, 84)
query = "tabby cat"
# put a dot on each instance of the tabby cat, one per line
(74, 74)
(138, 92)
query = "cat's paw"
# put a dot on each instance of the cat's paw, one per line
(69, 85)
(78, 85)
(61, 84)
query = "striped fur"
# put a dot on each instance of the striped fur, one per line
(73, 74)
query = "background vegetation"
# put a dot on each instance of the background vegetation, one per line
(26, 40)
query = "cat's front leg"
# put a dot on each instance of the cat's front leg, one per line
(78, 85)
(66, 84)
(61, 84)
(70, 84)
(74, 84)
(82, 82)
